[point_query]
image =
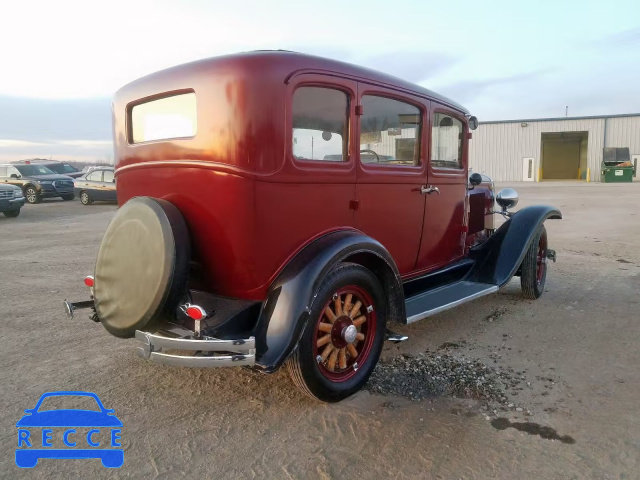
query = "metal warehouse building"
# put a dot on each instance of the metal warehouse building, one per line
(551, 148)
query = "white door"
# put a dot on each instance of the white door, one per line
(528, 169)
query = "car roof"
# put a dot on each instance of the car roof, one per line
(292, 63)
(35, 160)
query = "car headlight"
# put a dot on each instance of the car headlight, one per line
(17, 193)
(45, 182)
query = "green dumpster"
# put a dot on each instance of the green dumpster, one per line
(616, 165)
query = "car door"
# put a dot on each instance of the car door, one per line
(109, 185)
(444, 230)
(4, 176)
(93, 185)
(14, 177)
(391, 172)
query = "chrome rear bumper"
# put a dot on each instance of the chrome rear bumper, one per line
(232, 353)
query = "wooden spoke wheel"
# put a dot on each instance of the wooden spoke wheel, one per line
(533, 273)
(344, 333)
(342, 340)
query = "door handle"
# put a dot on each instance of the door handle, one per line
(429, 189)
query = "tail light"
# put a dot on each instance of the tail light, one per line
(195, 312)
(88, 281)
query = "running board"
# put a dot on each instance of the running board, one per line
(443, 298)
(395, 337)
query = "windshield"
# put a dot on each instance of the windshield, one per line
(62, 168)
(32, 170)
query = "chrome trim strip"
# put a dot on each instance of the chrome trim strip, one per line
(207, 345)
(244, 351)
(203, 362)
(209, 164)
(442, 308)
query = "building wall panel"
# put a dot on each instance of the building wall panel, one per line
(624, 132)
(497, 149)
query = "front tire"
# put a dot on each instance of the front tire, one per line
(533, 274)
(32, 195)
(12, 213)
(343, 338)
(85, 198)
(68, 197)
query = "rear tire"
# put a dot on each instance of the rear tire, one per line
(85, 198)
(333, 370)
(68, 197)
(533, 274)
(12, 213)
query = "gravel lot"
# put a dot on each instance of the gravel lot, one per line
(558, 396)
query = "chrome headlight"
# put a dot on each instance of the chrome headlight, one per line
(507, 198)
(17, 193)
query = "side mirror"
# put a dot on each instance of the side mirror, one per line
(473, 122)
(475, 179)
(507, 198)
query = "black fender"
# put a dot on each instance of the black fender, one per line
(290, 298)
(498, 259)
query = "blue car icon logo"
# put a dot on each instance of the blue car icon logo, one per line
(68, 433)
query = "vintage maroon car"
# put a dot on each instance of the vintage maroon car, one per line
(282, 208)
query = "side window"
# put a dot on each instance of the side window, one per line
(95, 176)
(320, 124)
(108, 176)
(446, 141)
(389, 132)
(13, 171)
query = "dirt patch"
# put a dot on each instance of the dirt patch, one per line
(496, 314)
(431, 375)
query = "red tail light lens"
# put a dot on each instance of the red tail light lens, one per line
(195, 312)
(88, 281)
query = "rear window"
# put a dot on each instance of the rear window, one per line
(164, 119)
(61, 168)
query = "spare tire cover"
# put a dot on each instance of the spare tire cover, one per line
(142, 265)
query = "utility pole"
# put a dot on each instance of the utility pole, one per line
(311, 148)
(566, 111)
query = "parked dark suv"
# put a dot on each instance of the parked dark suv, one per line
(37, 181)
(11, 200)
(54, 165)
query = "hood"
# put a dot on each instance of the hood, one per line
(69, 418)
(74, 174)
(6, 186)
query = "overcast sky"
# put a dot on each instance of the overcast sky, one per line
(61, 61)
